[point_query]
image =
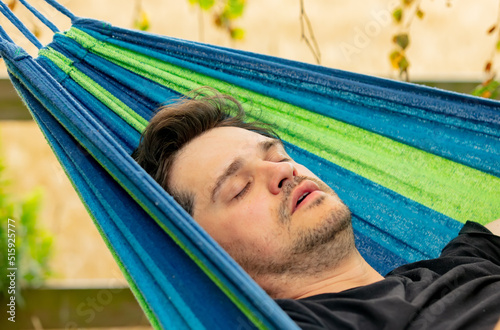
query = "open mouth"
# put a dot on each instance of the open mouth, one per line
(301, 198)
(301, 193)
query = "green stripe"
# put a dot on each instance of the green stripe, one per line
(112, 102)
(451, 188)
(142, 65)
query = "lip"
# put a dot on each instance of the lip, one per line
(305, 187)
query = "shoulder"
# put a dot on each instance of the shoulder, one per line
(476, 241)
(474, 246)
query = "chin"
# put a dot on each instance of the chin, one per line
(335, 210)
(332, 227)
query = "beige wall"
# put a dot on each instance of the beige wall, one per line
(79, 252)
(450, 43)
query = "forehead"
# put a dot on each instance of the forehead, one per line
(199, 162)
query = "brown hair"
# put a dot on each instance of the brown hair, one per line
(175, 125)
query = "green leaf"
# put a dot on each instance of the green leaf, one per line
(420, 13)
(398, 14)
(403, 64)
(235, 8)
(401, 40)
(237, 33)
(33, 244)
(206, 4)
(142, 21)
(395, 57)
(488, 89)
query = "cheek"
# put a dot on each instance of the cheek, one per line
(259, 209)
(245, 220)
(252, 221)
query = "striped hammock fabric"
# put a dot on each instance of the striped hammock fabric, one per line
(411, 162)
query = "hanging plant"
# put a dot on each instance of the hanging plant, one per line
(225, 13)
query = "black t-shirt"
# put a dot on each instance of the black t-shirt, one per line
(458, 290)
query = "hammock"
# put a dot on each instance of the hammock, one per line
(412, 163)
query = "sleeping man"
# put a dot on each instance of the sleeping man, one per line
(293, 235)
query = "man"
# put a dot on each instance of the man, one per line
(293, 235)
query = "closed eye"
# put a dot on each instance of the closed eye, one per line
(285, 160)
(243, 191)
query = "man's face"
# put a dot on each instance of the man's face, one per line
(272, 215)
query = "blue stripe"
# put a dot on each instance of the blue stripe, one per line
(140, 94)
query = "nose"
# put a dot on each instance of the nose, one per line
(279, 174)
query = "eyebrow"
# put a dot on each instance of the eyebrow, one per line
(264, 146)
(237, 164)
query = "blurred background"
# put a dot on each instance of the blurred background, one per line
(69, 271)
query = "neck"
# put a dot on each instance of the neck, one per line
(352, 272)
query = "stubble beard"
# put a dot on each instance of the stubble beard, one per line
(311, 251)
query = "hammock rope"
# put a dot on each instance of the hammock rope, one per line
(40, 16)
(412, 163)
(4, 9)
